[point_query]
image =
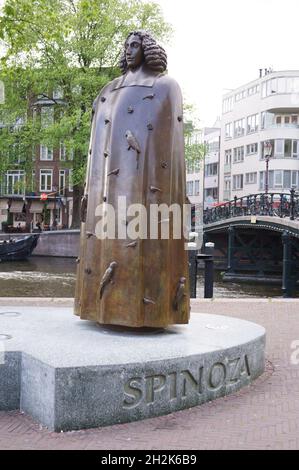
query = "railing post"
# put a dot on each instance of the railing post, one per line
(230, 209)
(209, 270)
(235, 206)
(287, 281)
(292, 204)
(281, 205)
(254, 205)
(230, 249)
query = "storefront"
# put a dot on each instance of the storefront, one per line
(17, 214)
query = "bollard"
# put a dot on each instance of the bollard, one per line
(287, 282)
(209, 270)
(192, 269)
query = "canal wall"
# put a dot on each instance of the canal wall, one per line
(61, 243)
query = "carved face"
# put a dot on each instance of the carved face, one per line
(134, 51)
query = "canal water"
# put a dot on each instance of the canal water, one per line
(55, 277)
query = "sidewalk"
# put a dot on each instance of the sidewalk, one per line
(264, 415)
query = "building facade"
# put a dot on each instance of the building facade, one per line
(211, 138)
(42, 196)
(266, 109)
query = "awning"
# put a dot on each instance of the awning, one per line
(3, 204)
(36, 207)
(16, 207)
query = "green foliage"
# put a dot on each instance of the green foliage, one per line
(195, 150)
(71, 45)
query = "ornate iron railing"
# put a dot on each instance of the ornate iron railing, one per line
(270, 204)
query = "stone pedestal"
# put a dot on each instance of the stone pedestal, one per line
(69, 374)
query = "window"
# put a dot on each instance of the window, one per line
(71, 180)
(238, 182)
(239, 128)
(58, 93)
(211, 169)
(213, 147)
(71, 154)
(286, 148)
(227, 184)
(286, 120)
(238, 154)
(189, 188)
(252, 123)
(33, 181)
(241, 95)
(46, 153)
(228, 130)
(47, 116)
(252, 149)
(280, 85)
(253, 90)
(211, 193)
(226, 192)
(250, 178)
(62, 182)
(262, 180)
(294, 182)
(196, 187)
(228, 156)
(227, 104)
(279, 179)
(46, 177)
(287, 179)
(62, 151)
(15, 182)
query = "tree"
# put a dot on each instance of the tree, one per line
(68, 45)
(195, 150)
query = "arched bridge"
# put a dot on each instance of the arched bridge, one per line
(257, 238)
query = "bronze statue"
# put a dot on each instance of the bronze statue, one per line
(136, 151)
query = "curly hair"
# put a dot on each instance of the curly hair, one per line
(154, 55)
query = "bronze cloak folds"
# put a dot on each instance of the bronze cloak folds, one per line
(142, 286)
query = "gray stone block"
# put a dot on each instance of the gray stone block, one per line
(77, 374)
(10, 374)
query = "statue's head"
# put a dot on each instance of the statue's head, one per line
(140, 47)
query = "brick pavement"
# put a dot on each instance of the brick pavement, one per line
(264, 415)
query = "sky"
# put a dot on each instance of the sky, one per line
(219, 45)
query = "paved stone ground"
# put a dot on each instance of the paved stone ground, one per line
(264, 415)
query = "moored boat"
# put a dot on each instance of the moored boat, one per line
(15, 249)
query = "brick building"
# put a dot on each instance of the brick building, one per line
(21, 190)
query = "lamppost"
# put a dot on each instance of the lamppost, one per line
(267, 155)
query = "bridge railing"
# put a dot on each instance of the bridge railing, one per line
(270, 204)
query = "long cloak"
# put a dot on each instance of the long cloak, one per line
(144, 288)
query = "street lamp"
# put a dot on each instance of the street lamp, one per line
(267, 155)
